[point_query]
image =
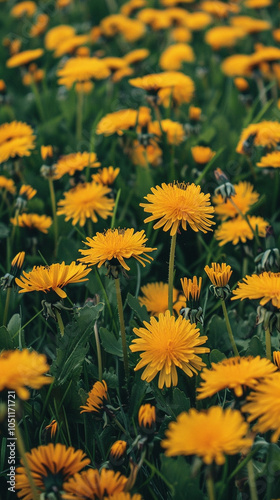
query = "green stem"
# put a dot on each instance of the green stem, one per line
(29, 321)
(158, 473)
(105, 298)
(21, 450)
(261, 90)
(113, 221)
(79, 117)
(171, 273)
(98, 350)
(37, 98)
(122, 326)
(251, 480)
(230, 334)
(53, 203)
(120, 426)
(60, 322)
(6, 310)
(210, 487)
(268, 343)
(89, 228)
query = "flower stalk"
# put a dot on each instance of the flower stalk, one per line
(53, 204)
(79, 117)
(7, 303)
(21, 450)
(251, 480)
(268, 343)
(171, 273)
(210, 487)
(98, 351)
(122, 327)
(229, 329)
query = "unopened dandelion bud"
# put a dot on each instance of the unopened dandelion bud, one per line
(268, 261)
(117, 454)
(226, 190)
(147, 418)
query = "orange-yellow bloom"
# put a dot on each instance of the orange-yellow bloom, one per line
(176, 205)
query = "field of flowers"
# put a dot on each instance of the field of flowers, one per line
(140, 264)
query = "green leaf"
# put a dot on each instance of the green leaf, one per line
(255, 347)
(180, 402)
(178, 473)
(218, 335)
(73, 346)
(4, 231)
(140, 311)
(67, 250)
(110, 343)
(216, 356)
(6, 341)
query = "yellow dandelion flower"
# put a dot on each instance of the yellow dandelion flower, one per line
(69, 164)
(115, 245)
(131, 29)
(241, 84)
(96, 398)
(270, 160)
(177, 205)
(177, 94)
(86, 201)
(234, 373)
(70, 44)
(155, 298)
(243, 199)
(276, 358)
(167, 343)
(236, 230)
(23, 58)
(265, 133)
(21, 369)
(79, 69)
(7, 184)
(54, 277)
(52, 427)
(124, 496)
(136, 56)
(92, 484)
(128, 7)
(219, 9)
(49, 467)
(33, 222)
(174, 131)
(257, 4)
(209, 434)
(123, 120)
(40, 26)
(202, 154)
(106, 176)
(46, 152)
(155, 18)
(27, 8)
(194, 113)
(263, 287)
(219, 274)
(263, 55)
(27, 191)
(191, 288)
(197, 21)
(174, 56)
(16, 139)
(146, 155)
(171, 3)
(147, 416)
(180, 34)
(122, 73)
(264, 404)
(57, 34)
(250, 24)
(236, 65)
(157, 81)
(224, 36)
